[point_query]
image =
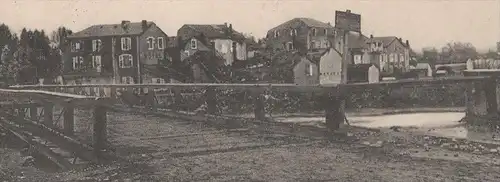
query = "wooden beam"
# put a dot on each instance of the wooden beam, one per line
(100, 125)
(48, 116)
(69, 118)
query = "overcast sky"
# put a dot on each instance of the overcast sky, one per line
(424, 22)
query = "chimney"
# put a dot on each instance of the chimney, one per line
(225, 24)
(348, 11)
(125, 24)
(371, 36)
(144, 25)
(407, 43)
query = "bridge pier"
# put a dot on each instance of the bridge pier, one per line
(482, 99)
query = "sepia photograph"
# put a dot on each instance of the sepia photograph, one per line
(249, 90)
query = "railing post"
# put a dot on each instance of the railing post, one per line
(211, 98)
(69, 118)
(259, 110)
(100, 125)
(33, 112)
(48, 114)
(177, 99)
(112, 93)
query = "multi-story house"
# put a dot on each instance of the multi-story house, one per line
(227, 43)
(302, 34)
(115, 53)
(391, 54)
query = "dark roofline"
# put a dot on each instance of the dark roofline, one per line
(72, 36)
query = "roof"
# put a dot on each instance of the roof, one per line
(357, 41)
(134, 28)
(307, 21)
(212, 31)
(422, 66)
(386, 41)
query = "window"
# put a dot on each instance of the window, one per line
(309, 69)
(78, 62)
(313, 32)
(357, 59)
(276, 33)
(125, 61)
(325, 32)
(161, 43)
(127, 80)
(126, 43)
(194, 44)
(75, 46)
(96, 63)
(187, 53)
(150, 41)
(96, 45)
(289, 46)
(293, 32)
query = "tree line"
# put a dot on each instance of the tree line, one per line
(453, 52)
(32, 54)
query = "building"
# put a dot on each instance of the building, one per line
(422, 70)
(330, 67)
(227, 42)
(115, 53)
(302, 34)
(390, 54)
(363, 73)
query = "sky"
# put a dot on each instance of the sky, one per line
(425, 23)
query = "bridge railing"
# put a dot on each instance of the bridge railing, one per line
(262, 100)
(35, 115)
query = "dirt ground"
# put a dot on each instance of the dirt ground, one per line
(161, 149)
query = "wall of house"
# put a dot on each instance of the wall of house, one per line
(224, 47)
(87, 53)
(299, 72)
(147, 56)
(303, 39)
(397, 49)
(330, 68)
(188, 51)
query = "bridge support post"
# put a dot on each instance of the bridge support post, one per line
(100, 125)
(69, 118)
(259, 110)
(211, 98)
(334, 112)
(490, 89)
(48, 114)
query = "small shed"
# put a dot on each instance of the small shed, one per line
(422, 70)
(357, 73)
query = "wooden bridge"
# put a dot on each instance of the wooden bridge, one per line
(23, 107)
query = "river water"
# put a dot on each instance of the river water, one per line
(444, 124)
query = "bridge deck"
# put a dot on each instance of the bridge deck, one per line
(165, 149)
